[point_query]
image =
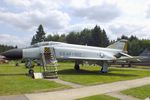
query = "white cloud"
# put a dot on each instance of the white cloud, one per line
(62, 16)
(28, 14)
(77, 4)
(53, 19)
(121, 29)
(15, 19)
(78, 27)
(27, 20)
(30, 4)
(147, 15)
(24, 3)
(101, 13)
(140, 31)
(12, 40)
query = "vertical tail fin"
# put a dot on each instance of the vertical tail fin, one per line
(121, 45)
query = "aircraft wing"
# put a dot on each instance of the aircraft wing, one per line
(134, 59)
(89, 58)
(124, 54)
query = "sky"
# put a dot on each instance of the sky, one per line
(19, 19)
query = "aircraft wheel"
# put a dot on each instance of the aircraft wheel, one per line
(104, 68)
(129, 65)
(103, 71)
(31, 72)
(122, 65)
(77, 67)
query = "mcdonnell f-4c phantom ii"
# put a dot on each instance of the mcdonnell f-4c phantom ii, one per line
(47, 52)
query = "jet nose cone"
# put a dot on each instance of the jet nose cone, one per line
(13, 54)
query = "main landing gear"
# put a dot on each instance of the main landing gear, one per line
(77, 66)
(31, 72)
(105, 66)
(29, 65)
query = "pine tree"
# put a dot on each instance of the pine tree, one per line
(104, 39)
(72, 38)
(16, 46)
(124, 37)
(33, 40)
(39, 36)
(96, 36)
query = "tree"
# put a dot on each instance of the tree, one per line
(39, 36)
(133, 38)
(134, 47)
(84, 37)
(62, 38)
(96, 36)
(72, 38)
(16, 46)
(49, 38)
(55, 37)
(99, 37)
(124, 37)
(104, 39)
(4, 48)
(33, 40)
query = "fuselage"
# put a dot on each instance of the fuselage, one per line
(71, 51)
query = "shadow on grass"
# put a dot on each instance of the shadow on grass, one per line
(145, 68)
(120, 69)
(19, 74)
(86, 72)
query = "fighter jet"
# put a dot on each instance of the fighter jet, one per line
(52, 51)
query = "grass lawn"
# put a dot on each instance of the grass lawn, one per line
(142, 67)
(99, 97)
(139, 92)
(89, 75)
(13, 80)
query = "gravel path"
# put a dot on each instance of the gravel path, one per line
(73, 85)
(121, 96)
(14, 97)
(71, 94)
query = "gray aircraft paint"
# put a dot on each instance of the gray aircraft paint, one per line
(72, 51)
(52, 51)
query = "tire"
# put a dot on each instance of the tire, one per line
(31, 72)
(129, 65)
(77, 67)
